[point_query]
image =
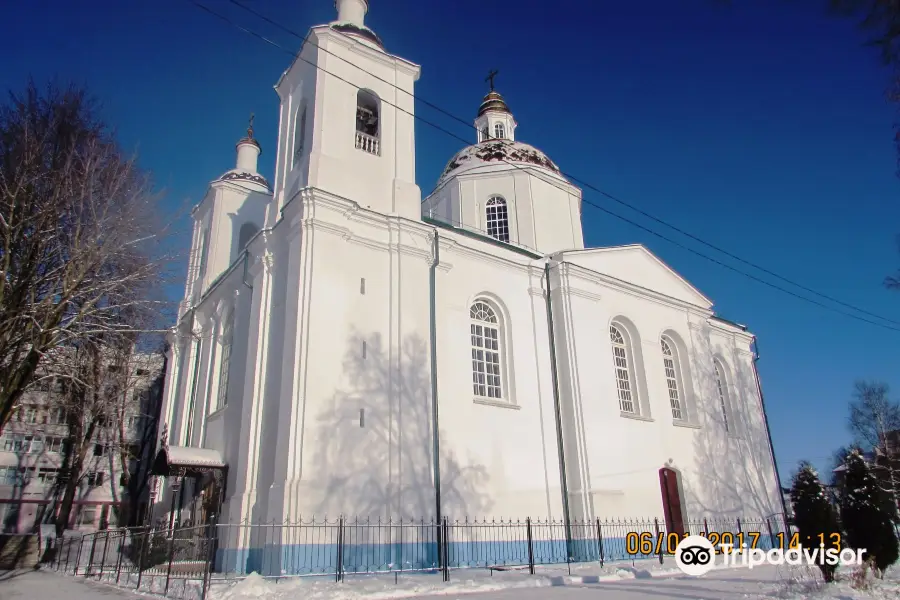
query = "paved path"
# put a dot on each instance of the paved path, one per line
(42, 585)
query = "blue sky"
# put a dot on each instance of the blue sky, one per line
(760, 126)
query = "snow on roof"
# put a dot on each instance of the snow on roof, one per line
(182, 456)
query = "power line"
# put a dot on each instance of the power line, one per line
(570, 176)
(588, 185)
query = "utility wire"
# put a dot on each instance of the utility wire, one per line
(584, 200)
(569, 176)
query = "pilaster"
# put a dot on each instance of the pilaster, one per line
(242, 504)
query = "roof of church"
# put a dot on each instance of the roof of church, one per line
(497, 151)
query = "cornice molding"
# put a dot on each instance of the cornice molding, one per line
(637, 291)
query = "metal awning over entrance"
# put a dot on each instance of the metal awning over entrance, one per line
(187, 461)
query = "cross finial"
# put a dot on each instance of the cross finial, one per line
(491, 76)
(250, 127)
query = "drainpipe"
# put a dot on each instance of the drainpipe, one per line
(762, 402)
(432, 299)
(554, 376)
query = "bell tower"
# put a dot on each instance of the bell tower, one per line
(347, 124)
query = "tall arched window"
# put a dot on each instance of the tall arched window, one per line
(300, 133)
(722, 392)
(225, 363)
(672, 367)
(497, 219)
(202, 250)
(368, 122)
(487, 360)
(623, 368)
(500, 131)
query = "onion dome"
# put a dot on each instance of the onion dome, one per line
(493, 102)
(498, 152)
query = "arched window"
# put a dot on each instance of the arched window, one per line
(484, 134)
(225, 363)
(722, 392)
(624, 370)
(487, 366)
(299, 134)
(248, 230)
(500, 131)
(368, 122)
(202, 250)
(497, 219)
(672, 367)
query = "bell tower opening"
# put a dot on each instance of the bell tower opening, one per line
(367, 122)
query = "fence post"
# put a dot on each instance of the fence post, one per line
(119, 560)
(68, 553)
(446, 553)
(705, 527)
(91, 556)
(103, 558)
(210, 556)
(171, 559)
(143, 555)
(530, 546)
(656, 526)
(600, 541)
(771, 537)
(338, 575)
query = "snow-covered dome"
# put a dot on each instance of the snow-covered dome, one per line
(498, 152)
(246, 177)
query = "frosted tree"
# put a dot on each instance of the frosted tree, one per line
(867, 513)
(814, 516)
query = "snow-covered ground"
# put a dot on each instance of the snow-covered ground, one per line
(646, 580)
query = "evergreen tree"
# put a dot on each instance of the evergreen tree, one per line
(867, 514)
(814, 515)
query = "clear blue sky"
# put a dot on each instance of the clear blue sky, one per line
(760, 126)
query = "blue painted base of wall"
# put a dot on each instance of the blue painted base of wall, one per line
(323, 559)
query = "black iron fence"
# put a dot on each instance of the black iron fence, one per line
(183, 562)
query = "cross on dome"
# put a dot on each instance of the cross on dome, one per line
(490, 77)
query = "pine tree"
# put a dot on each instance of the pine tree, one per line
(814, 515)
(867, 514)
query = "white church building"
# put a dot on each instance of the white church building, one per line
(346, 347)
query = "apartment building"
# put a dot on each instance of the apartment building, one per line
(35, 442)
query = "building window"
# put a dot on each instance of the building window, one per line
(368, 126)
(95, 479)
(623, 366)
(500, 131)
(87, 515)
(487, 374)
(484, 134)
(722, 393)
(225, 364)
(202, 248)
(300, 133)
(497, 219)
(672, 366)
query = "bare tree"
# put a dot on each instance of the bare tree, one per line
(875, 421)
(78, 231)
